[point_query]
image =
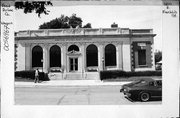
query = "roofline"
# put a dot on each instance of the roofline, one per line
(86, 36)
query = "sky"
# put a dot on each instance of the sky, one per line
(100, 16)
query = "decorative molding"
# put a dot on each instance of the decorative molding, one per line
(72, 43)
(23, 44)
(100, 43)
(81, 43)
(64, 44)
(46, 45)
(36, 44)
(28, 44)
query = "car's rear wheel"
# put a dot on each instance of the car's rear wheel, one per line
(144, 96)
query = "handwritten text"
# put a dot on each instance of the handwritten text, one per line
(5, 24)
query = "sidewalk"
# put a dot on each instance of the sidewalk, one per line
(68, 83)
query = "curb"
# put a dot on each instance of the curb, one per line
(66, 84)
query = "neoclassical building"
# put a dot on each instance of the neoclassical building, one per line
(81, 53)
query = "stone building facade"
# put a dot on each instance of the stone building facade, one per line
(81, 53)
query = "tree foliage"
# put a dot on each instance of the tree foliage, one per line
(158, 56)
(75, 21)
(38, 6)
(88, 25)
(65, 22)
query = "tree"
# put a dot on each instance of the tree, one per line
(64, 22)
(38, 6)
(88, 25)
(158, 56)
(57, 23)
(75, 21)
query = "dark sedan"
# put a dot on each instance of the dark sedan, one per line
(143, 89)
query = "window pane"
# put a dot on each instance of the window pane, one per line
(37, 56)
(55, 56)
(110, 55)
(73, 47)
(76, 64)
(92, 55)
(142, 57)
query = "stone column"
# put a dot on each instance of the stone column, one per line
(85, 61)
(28, 57)
(45, 58)
(126, 56)
(63, 57)
(48, 58)
(152, 55)
(119, 56)
(83, 53)
(100, 56)
(63, 60)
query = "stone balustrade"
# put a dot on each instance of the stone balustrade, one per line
(81, 31)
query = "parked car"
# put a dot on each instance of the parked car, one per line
(143, 89)
(158, 65)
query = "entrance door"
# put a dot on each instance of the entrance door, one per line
(73, 64)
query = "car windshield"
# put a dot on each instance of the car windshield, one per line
(155, 83)
(159, 82)
(152, 83)
(141, 83)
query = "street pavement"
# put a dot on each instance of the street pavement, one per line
(73, 95)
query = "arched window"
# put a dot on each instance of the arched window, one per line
(37, 56)
(110, 55)
(55, 56)
(73, 48)
(92, 55)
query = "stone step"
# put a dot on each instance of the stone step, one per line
(92, 76)
(74, 76)
(56, 76)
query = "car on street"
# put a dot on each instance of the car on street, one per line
(143, 89)
(158, 65)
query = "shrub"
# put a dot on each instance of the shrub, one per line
(117, 73)
(31, 75)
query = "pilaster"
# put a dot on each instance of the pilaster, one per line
(63, 58)
(28, 57)
(101, 59)
(45, 58)
(119, 56)
(83, 53)
(126, 57)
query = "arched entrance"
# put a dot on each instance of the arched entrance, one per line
(55, 56)
(37, 56)
(73, 53)
(110, 55)
(73, 48)
(91, 55)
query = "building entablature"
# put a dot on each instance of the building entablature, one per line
(83, 32)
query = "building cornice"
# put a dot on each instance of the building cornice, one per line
(83, 32)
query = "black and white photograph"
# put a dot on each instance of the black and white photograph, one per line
(75, 56)
(88, 59)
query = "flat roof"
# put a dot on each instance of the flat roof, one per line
(84, 32)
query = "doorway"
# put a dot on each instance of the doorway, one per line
(73, 63)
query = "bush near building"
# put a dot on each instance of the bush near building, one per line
(31, 75)
(118, 74)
